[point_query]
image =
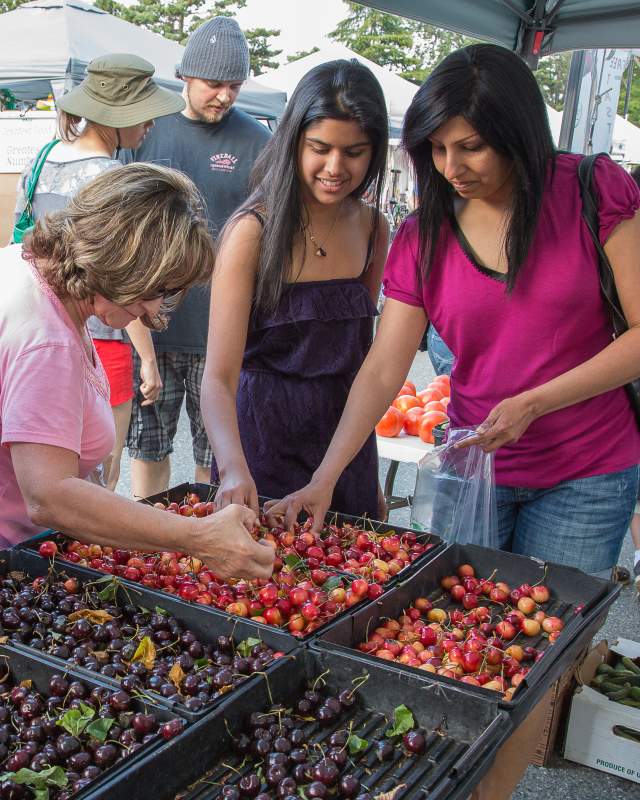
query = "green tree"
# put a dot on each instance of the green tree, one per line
(431, 45)
(174, 20)
(9, 5)
(382, 38)
(634, 99)
(261, 55)
(409, 48)
(302, 54)
(178, 18)
(552, 74)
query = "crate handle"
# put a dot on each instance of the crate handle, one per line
(477, 749)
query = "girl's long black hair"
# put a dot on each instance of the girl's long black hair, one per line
(342, 90)
(497, 94)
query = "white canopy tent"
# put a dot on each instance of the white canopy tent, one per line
(49, 41)
(398, 92)
(625, 141)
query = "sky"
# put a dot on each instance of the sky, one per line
(303, 23)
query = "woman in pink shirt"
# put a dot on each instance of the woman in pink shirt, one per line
(499, 259)
(126, 247)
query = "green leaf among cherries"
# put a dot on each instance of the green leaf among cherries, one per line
(402, 721)
(39, 782)
(245, 647)
(99, 728)
(356, 744)
(81, 720)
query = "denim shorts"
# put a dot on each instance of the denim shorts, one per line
(580, 523)
(439, 354)
(153, 428)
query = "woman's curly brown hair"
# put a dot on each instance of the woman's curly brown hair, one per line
(133, 232)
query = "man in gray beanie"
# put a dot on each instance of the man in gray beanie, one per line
(216, 145)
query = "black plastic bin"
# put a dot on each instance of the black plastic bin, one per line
(31, 546)
(206, 625)
(471, 730)
(207, 491)
(569, 588)
(25, 666)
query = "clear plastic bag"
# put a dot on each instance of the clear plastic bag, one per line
(455, 495)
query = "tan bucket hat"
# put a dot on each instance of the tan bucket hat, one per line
(118, 91)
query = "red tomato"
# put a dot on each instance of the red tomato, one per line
(428, 423)
(427, 395)
(405, 402)
(442, 383)
(391, 423)
(408, 388)
(436, 405)
(412, 421)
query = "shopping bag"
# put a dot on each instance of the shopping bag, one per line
(455, 494)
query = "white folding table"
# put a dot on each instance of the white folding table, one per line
(402, 448)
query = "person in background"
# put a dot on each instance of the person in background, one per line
(125, 247)
(216, 145)
(294, 293)
(442, 359)
(499, 258)
(113, 107)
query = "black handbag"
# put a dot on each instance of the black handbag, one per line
(607, 280)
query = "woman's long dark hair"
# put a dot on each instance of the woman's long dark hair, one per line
(342, 90)
(497, 94)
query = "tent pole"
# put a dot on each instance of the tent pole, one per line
(571, 96)
(627, 95)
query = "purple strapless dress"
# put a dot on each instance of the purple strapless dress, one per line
(298, 367)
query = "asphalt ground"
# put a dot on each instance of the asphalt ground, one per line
(563, 779)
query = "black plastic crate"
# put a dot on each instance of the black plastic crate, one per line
(207, 491)
(26, 666)
(464, 734)
(207, 626)
(88, 573)
(569, 589)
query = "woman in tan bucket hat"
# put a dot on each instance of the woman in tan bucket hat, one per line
(114, 107)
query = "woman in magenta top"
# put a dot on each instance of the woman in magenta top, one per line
(499, 258)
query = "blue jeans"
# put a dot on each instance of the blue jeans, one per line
(439, 354)
(579, 523)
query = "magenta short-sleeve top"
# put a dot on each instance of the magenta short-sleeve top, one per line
(554, 320)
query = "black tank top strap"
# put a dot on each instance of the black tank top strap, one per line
(370, 245)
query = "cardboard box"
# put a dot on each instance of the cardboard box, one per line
(514, 756)
(593, 735)
(557, 714)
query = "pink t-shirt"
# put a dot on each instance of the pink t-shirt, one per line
(554, 320)
(50, 392)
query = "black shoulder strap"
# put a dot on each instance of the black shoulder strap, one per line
(591, 217)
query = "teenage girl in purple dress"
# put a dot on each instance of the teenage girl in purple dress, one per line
(294, 296)
(500, 260)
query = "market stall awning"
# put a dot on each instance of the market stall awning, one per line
(54, 40)
(532, 28)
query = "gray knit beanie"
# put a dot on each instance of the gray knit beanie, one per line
(216, 51)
